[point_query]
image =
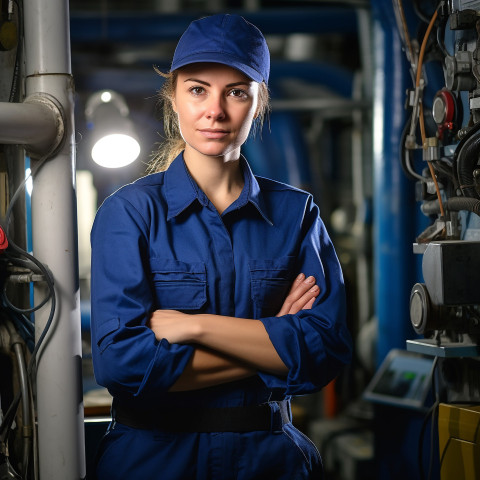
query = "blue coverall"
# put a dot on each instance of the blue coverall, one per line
(159, 243)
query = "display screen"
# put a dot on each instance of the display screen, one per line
(403, 379)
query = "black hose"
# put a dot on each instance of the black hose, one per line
(454, 204)
(16, 344)
(18, 56)
(466, 161)
(425, 17)
(444, 168)
(473, 130)
(440, 37)
(464, 139)
(48, 277)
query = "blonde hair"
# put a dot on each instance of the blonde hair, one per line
(173, 143)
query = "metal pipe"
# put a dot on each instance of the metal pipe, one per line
(394, 223)
(59, 394)
(141, 27)
(34, 124)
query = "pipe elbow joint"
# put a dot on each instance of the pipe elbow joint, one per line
(53, 129)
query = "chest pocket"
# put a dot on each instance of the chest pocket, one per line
(178, 285)
(270, 282)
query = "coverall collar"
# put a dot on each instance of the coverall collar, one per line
(181, 190)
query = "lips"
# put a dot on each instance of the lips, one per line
(214, 133)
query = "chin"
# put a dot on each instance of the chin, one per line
(215, 152)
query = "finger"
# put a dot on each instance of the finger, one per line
(300, 278)
(310, 303)
(300, 286)
(305, 301)
(287, 302)
(300, 289)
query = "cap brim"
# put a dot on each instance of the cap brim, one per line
(224, 59)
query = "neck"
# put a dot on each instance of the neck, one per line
(220, 178)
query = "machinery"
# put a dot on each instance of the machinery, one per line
(426, 192)
(445, 307)
(45, 436)
(440, 152)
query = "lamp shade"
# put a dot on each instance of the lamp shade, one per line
(113, 137)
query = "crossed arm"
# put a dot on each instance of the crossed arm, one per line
(228, 348)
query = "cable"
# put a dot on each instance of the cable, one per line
(453, 204)
(406, 35)
(19, 190)
(16, 344)
(18, 55)
(406, 156)
(441, 37)
(36, 266)
(22, 310)
(6, 425)
(466, 163)
(446, 169)
(33, 264)
(437, 189)
(423, 47)
(420, 64)
(421, 115)
(48, 277)
(23, 324)
(473, 130)
(422, 15)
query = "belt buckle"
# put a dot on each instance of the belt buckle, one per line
(277, 419)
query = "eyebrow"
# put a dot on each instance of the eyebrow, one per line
(235, 84)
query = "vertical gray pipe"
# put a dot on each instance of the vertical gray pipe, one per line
(59, 393)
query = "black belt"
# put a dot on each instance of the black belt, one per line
(268, 416)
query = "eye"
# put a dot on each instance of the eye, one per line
(196, 90)
(239, 93)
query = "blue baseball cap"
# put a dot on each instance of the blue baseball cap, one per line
(226, 39)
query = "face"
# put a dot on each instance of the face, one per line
(216, 105)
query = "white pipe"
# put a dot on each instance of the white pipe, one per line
(59, 391)
(37, 124)
(46, 23)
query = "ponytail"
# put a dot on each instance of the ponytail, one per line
(173, 143)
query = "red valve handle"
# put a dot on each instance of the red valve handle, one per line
(3, 241)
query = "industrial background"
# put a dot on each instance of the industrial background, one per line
(375, 110)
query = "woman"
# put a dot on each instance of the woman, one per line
(216, 295)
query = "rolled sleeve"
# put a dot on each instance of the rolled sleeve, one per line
(314, 344)
(127, 357)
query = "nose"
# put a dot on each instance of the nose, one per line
(215, 109)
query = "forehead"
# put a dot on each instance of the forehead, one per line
(212, 70)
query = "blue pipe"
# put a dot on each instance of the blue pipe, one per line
(145, 27)
(394, 203)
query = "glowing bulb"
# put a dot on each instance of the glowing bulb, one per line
(115, 151)
(105, 97)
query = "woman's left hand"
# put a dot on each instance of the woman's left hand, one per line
(174, 326)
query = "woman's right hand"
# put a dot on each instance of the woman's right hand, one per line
(301, 296)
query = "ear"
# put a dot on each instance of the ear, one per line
(174, 104)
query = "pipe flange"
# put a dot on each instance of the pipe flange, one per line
(58, 114)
